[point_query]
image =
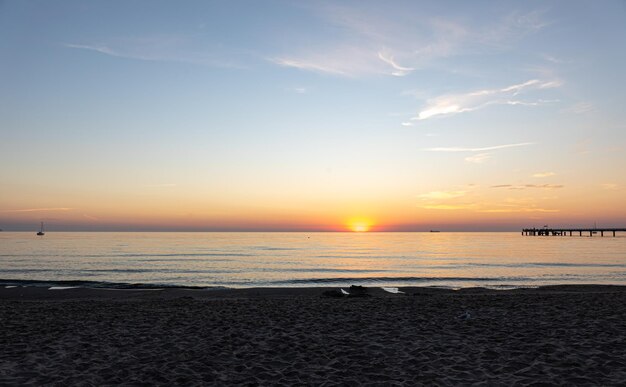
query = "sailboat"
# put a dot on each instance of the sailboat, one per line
(41, 230)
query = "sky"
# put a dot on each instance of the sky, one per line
(312, 115)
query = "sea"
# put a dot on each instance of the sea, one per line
(500, 260)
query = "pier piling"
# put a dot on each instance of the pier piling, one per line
(563, 231)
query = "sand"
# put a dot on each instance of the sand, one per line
(565, 335)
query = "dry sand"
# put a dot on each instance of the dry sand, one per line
(553, 335)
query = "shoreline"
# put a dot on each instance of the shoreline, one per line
(65, 291)
(445, 283)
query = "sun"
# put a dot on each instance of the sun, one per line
(359, 225)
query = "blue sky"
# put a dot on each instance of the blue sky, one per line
(300, 115)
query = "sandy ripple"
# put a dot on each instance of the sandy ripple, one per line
(512, 338)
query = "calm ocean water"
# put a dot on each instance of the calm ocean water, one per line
(311, 259)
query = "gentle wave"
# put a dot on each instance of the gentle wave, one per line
(186, 260)
(131, 255)
(271, 248)
(309, 281)
(503, 281)
(545, 264)
(99, 284)
(189, 271)
(402, 279)
(418, 280)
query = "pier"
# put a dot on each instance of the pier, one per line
(564, 231)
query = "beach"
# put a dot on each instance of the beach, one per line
(572, 335)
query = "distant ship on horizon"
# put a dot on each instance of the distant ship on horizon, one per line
(40, 232)
(435, 231)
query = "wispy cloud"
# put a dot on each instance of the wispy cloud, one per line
(101, 48)
(512, 210)
(516, 205)
(457, 200)
(164, 48)
(477, 199)
(478, 158)
(40, 209)
(609, 186)
(399, 71)
(442, 195)
(449, 207)
(491, 208)
(160, 185)
(377, 39)
(553, 59)
(312, 65)
(483, 149)
(543, 174)
(527, 186)
(449, 200)
(580, 108)
(467, 102)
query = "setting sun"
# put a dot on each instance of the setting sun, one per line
(359, 225)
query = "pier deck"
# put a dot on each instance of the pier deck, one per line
(563, 231)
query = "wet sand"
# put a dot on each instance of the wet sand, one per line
(566, 335)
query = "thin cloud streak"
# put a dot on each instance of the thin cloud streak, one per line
(163, 185)
(484, 149)
(513, 210)
(169, 48)
(308, 65)
(400, 71)
(101, 49)
(526, 186)
(40, 209)
(442, 195)
(479, 158)
(543, 174)
(461, 103)
(581, 108)
(449, 207)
